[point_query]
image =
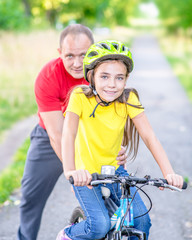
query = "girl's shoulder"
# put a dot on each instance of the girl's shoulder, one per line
(80, 89)
(131, 93)
(81, 92)
(77, 89)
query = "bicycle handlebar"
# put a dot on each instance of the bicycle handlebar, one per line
(130, 180)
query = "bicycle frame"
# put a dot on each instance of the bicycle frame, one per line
(122, 221)
(124, 212)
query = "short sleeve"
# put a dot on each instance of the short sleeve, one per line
(49, 86)
(133, 100)
(47, 94)
(75, 102)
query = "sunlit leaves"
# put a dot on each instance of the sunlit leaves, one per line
(175, 13)
(89, 12)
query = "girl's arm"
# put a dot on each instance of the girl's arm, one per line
(70, 127)
(148, 136)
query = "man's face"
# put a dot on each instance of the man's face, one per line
(74, 48)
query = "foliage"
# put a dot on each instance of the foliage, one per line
(17, 13)
(175, 14)
(12, 15)
(10, 178)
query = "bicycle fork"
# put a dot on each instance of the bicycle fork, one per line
(123, 219)
(128, 232)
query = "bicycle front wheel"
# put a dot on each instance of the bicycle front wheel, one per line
(77, 215)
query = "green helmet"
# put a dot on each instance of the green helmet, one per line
(104, 50)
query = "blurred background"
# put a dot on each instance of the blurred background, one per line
(29, 37)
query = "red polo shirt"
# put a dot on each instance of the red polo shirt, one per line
(52, 87)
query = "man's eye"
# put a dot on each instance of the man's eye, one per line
(69, 56)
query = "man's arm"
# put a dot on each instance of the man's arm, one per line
(53, 122)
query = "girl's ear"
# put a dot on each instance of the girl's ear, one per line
(90, 76)
(127, 77)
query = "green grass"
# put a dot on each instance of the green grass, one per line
(183, 71)
(22, 57)
(10, 178)
(178, 50)
(19, 107)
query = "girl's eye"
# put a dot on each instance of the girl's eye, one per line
(120, 78)
(104, 77)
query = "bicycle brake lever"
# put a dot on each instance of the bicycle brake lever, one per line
(96, 182)
(165, 185)
(172, 187)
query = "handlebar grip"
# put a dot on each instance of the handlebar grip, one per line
(71, 180)
(95, 176)
(183, 187)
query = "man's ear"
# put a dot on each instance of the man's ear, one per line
(59, 50)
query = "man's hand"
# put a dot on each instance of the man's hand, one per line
(122, 156)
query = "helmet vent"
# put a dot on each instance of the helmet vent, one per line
(92, 54)
(116, 46)
(123, 48)
(103, 45)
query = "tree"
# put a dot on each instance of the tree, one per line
(12, 15)
(175, 14)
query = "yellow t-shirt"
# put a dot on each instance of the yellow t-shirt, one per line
(99, 138)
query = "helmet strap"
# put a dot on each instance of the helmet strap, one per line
(93, 89)
(99, 103)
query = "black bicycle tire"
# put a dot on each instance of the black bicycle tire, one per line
(77, 215)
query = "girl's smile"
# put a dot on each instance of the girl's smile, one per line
(110, 80)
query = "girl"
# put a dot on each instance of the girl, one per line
(98, 119)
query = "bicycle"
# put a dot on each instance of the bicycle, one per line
(122, 219)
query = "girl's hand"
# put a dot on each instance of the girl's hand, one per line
(175, 180)
(122, 156)
(81, 177)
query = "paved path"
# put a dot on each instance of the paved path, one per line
(13, 140)
(170, 114)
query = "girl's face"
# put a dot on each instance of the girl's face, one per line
(110, 80)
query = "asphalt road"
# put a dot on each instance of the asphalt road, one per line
(170, 114)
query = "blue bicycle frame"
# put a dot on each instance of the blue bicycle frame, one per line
(122, 221)
(122, 213)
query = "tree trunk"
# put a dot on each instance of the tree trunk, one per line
(27, 8)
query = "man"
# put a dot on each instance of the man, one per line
(43, 166)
